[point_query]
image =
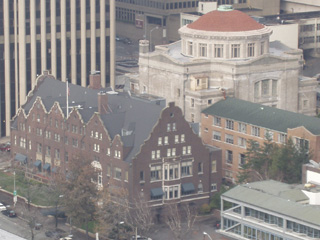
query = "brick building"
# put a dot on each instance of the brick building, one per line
(230, 123)
(135, 143)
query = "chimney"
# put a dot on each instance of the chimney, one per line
(102, 102)
(95, 80)
(143, 46)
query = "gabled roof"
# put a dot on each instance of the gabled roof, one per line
(263, 116)
(126, 113)
(276, 197)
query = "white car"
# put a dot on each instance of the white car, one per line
(2, 207)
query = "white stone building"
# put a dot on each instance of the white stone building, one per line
(225, 53)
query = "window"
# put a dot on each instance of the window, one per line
(242, 159)
(166, 140)
(242, 142)
(30, 145)
(108, 151)
(200, 188)
(213, 166)
(217, 121)
(209, 103)
(262, 48)
(153, 155)
(74, 142)
(96, 147)
(141, 176)
(173, 152)
(235, 50)
(192, 102)
(48, 151)
(255, 131)
(169, 152)
(186, 169)
(229, 156)
(202, 50)
(108, 170)
(282, 138)
(242, 127)
(57, 137)
(171, 192)
(251, 49)
(176, 139)
(168, 127)
(156, 173)
(229, 124)
(159, 141)
(184, 150)
(200, 167)
(229, 138)
(190, 48)
(174, 127)
(213, 187)
(302, 143)
(117, 154)
(189, 150)
(265, 91)
(117, 173)
(158, 154)
(182, 138)
(218, 50)
(57, 154)
(39, 148)
(171, 171)
(22, 142)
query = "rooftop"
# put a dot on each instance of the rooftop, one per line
(277, 197)
(263, 116)
(225, 21)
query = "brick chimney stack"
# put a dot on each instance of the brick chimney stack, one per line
(95, 80)
(102, 102)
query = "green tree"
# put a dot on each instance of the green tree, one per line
(273, 161)
(80, 191)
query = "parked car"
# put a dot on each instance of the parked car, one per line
(5, 147)
(2, 207)
(140, 238)
(9, 213)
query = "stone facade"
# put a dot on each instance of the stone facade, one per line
(241, 64)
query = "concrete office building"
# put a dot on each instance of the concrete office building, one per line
(68, 38)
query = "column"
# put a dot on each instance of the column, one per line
(22, 52)
(83, 45)
(112, 42)
(93, 35)
(63, 41)
(103, 42)
(33, 43)
(43, 23)
(7, 95)
(73, 42)
(53, 38)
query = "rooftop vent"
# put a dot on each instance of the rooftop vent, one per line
(225, 8)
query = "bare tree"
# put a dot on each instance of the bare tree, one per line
(180, 220)
(33, 218)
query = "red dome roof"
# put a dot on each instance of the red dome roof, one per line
(225, 21)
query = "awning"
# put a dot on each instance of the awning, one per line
(21, 158)
(46, 166)
(37, 163)
(187, 187)
(156, 192)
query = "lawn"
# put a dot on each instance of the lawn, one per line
(37, 191)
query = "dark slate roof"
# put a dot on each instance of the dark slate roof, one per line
(263, 116)
(128, 113)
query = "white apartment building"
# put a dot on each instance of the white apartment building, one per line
(69, 38)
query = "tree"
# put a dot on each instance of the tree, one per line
(118, 214)
(32, 217)
(79, 191)
(273, 161)
(180, 220)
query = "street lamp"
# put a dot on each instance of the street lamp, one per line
(150, 39)
(206, 234)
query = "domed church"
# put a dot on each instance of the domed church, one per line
(225, 53)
